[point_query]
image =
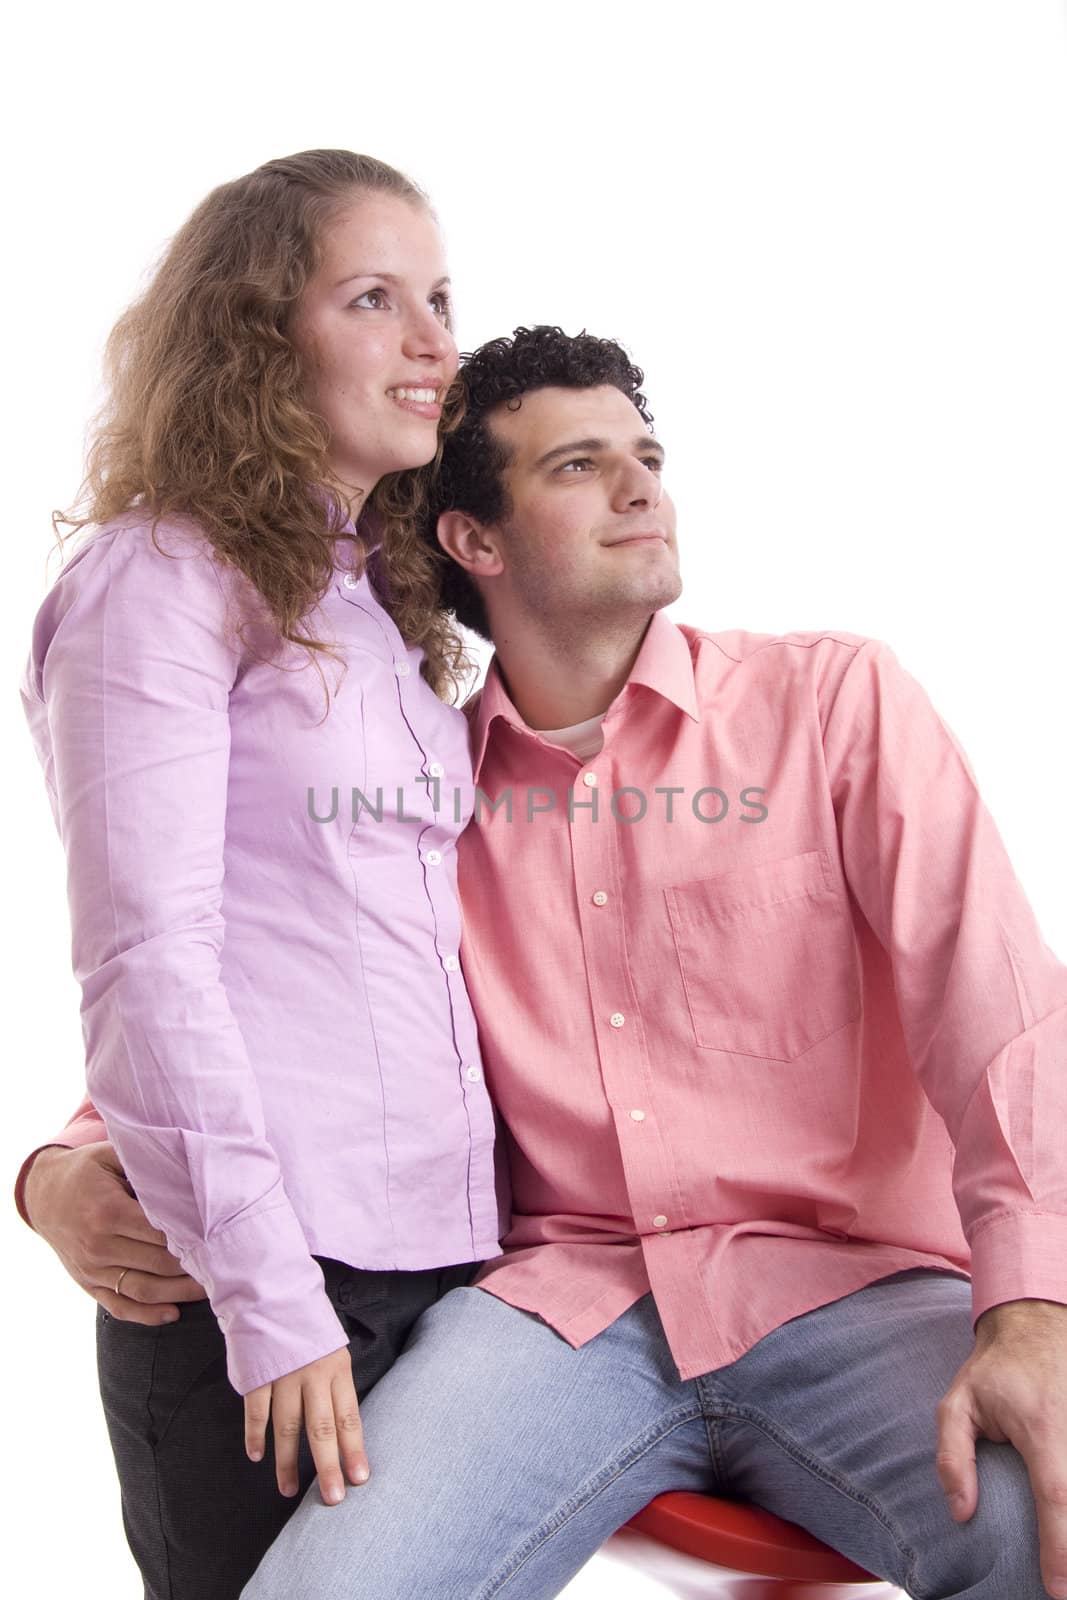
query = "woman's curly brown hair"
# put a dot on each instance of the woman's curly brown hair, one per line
(207, 418)
(468, 475)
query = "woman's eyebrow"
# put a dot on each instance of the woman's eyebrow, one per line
(389, 277)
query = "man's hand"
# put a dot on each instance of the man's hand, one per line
(321, 1397)
(80, 1202)
(1013, 1390)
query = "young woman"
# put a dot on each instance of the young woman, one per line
(239, 739)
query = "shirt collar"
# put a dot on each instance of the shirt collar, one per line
(663, 664)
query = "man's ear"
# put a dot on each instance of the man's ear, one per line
(471, 546)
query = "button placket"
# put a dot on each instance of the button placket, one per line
(647, 1161)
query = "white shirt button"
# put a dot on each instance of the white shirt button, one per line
(433, 858)
(589, 779)
(659, 1222)
(350, 581)
(638, 1116)
(600, 898)
(616, 1019)
(474, 1074)
(436, 770)
(451, 963)
(403, 668)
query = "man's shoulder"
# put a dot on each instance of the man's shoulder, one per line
(740, 645)
(811, 661)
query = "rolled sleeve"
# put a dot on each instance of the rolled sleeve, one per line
(981, 997)
(128, 699)
(86, 1126)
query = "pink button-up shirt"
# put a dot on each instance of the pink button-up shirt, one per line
(761, 1001)
(277, 1031)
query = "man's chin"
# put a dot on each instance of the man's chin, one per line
(665, 592)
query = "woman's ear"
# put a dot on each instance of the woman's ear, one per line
(471, 546)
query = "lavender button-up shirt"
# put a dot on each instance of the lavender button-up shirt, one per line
(277, 1031)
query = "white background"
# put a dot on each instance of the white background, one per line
(832, 233)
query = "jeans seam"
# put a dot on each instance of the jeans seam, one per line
(583, 1497)
(712, 1406)
(711, 1433)
(828, 1475)
(165, 1542)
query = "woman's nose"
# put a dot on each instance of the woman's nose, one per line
(428, 338)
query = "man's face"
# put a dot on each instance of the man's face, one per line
(591, 534)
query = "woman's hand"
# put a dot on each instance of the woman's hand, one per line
(322, 1398)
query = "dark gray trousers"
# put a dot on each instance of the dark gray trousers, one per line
(198, 1514)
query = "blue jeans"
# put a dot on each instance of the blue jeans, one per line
(501, 1458)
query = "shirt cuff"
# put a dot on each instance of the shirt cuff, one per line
(1019, 1255)
(269, 1296)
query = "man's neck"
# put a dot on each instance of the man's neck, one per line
(556, 680)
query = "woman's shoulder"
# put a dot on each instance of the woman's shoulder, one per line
(140, 577)
(146, 556)
(138, 536)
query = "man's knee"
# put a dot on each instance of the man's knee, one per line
(995, 1555)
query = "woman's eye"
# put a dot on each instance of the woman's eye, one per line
(653, 463)
(442, 304)
(373, 299)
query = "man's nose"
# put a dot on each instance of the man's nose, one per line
(639, 486)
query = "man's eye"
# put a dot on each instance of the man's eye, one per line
(373, 299)
(655, 463)
(580, 461)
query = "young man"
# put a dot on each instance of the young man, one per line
(767, 1018)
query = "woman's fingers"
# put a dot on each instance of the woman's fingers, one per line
(350, 1430)
(320, 1426)
(257, 1414)
(286, 1418)
(319, 1400)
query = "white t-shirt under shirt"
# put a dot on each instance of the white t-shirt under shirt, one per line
(584, 739)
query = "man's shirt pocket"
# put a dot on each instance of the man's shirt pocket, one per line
(767, 956)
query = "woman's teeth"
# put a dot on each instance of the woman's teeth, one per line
(422, 397)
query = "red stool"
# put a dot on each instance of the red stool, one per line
(730, 1534)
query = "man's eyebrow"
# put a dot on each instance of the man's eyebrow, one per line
(388, 277)
(592, 446)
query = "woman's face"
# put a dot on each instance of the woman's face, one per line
(372, 328)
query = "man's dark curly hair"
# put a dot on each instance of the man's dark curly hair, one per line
(469, 475)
